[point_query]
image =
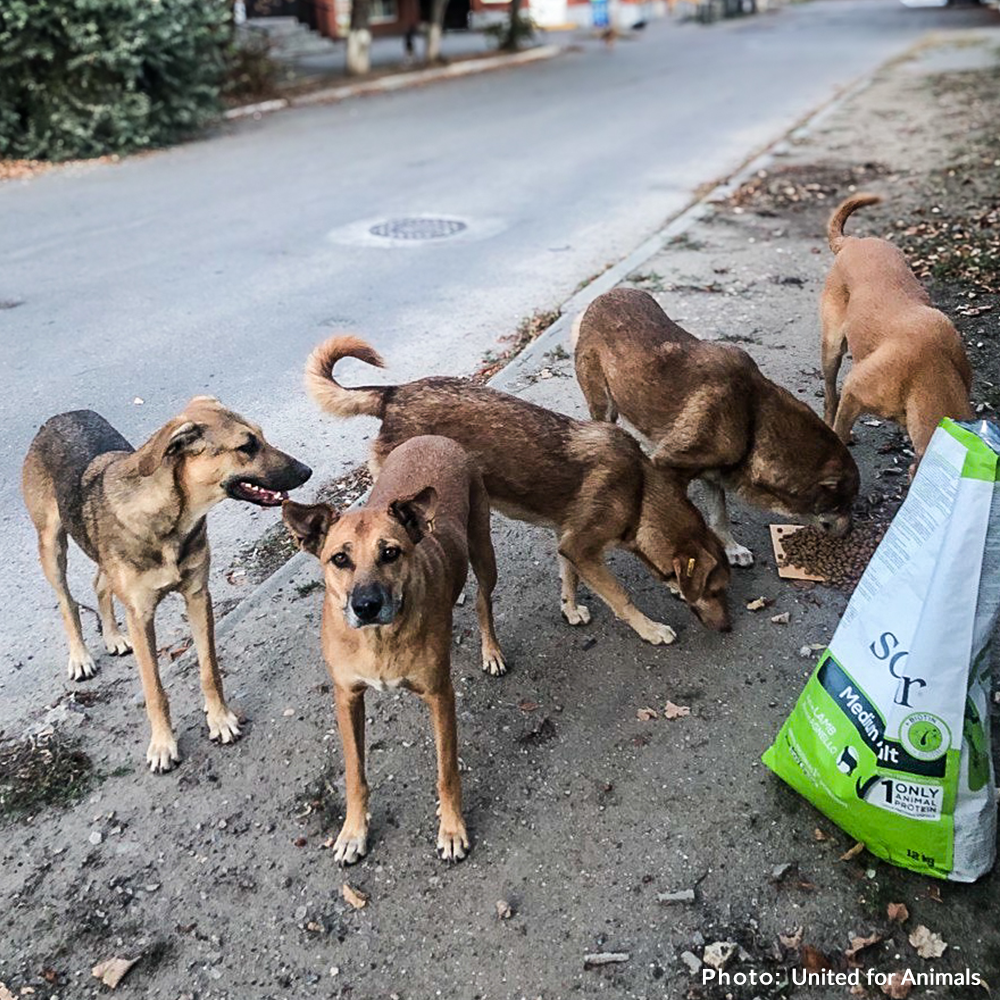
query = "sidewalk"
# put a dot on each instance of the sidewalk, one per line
(581, 814)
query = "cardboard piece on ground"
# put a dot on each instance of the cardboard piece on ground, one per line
(786, 572)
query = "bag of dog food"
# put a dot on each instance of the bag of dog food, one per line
(891, 736)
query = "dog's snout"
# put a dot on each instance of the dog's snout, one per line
(300, 471)
(835, 524)
(366, 603)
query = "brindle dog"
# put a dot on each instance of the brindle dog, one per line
(140, 515)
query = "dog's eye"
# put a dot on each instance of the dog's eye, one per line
(250, 447)
(339, 559)
(390, 553)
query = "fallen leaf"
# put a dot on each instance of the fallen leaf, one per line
(818, 834)
(646, 714)
(814, 960)
(604, 958)
(672, 711)
(896, 988)
(792, 941)
(527, 706)
(759, 604)
(853, 852)
(719, 954)
(113, 970)
(897, 913)
(358, 900)
(934, 892)
(5, 994)
(782, 619)
(859, 944)
(927, 943)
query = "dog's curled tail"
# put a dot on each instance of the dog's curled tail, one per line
(835, 230)
(328, 393)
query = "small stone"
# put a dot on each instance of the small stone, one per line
(692, 961)
(680, 896)
(778, 872)
(719, 954)
(288, 713)
(95, 837)
(300, 912)
(504, 910)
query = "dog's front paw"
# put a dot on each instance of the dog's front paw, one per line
(222, 725)
(162, 753)
(656, 632)
(453, 841)
(738, 555)
(493, 662)
(576, 614)
(117, 644)
(351, 845)
(80, 666)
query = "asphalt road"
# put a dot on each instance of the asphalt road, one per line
(217, 265)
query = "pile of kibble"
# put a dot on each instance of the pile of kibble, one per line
(841, 561)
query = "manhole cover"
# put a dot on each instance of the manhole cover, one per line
(417, 229)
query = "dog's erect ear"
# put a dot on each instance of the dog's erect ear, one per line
(692, 570)
(308, 524)
(416, 513)
(171, 440)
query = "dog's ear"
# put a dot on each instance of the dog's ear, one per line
(171, 440)
(416, 513)
(692, 569)
(308, 524)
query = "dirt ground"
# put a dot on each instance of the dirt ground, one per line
(584, 813)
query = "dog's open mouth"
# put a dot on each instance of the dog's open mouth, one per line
(243, 489)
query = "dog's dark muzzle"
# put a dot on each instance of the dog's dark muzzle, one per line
(370, 604)
(270, 487)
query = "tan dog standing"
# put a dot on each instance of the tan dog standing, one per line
(589, 481)
(140, 515)
(706, 408)
(908, 361)
(393, 571)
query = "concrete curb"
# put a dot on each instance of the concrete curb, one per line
(511, 377)
(395, 81)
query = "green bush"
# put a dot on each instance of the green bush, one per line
(83, 78)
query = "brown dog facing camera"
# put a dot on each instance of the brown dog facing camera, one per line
(706, 409)
(589, 481)
(393, 571)
(140, 515)
(908, 362)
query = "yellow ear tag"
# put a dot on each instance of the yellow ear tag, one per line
(690, 569)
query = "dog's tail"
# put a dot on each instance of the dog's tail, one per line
(835, 230)
(328, 393)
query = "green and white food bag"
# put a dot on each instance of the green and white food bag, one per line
(890, 737)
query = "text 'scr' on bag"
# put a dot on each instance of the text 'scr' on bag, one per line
(890, 737)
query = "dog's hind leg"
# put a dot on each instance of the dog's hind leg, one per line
(851, 406)
(574, 613)
(222, 723)
(590, 375)
(115, 641)
(833, 347)
(52, 554)
(453, 840)
(718, 521)
(589, 563)
(352, 841)
(484, 565)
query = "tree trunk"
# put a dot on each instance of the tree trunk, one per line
(359, 40)
(513, 40)
(435, 29)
